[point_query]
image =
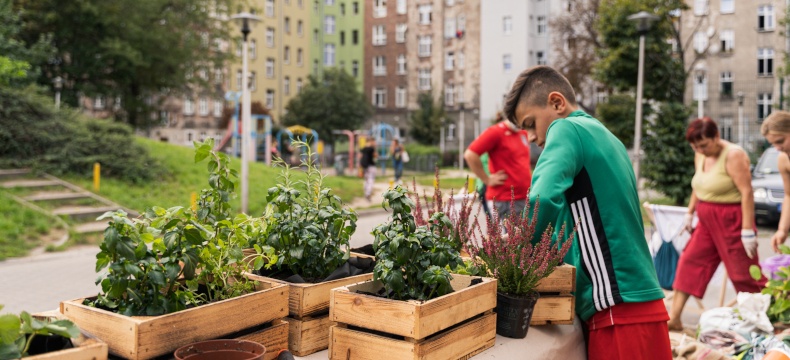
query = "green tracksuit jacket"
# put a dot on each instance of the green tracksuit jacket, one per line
(584, 177)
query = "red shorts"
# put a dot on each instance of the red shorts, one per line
(630, 331)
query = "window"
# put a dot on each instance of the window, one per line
(300, 3)
(700, 86)
(727, 38)
(203, 107)
(460, 60)
(725, 128)
(270, 68)
(355, 68)
(541, 25)
(449, 27)
(253, 49)
(379, 66)
(329, 54)
(379, 36)
(450, 2)
(299, 57)
(315, 67)
(765, 61)
(342, 8)
(700, 42)
(98, 102)
(270, 37)
(449, 93)
(451, 131)
(507, 62)
(401, 8)
(355, 37)
(765, 17)
(400, 97)
(239, 46)
(460, 24)
(315, 36)
(459, 94)
(379, 8)
(401, 64)
(253, 85)
(238, 79)
(299, 28)
(329, 24)
(286, 85)
(424, 46)
(379, 97)
(189, 106)
(727, 6)
(342, 65)
(726, 83)
(342, 38)
(217, 108)
(270, 98)
(700, 7)
(287, 25)
(330, 2)
(764, 103)
(400, 33)
(425, 14)
(299, 85)
(449, 60)
(424, 79)
(218, 76)
(356, 7)
(540, 58)
(315, 5)
(507, 25)
(269, 9)
(287, 55)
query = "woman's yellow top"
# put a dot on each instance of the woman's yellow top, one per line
(715, 185)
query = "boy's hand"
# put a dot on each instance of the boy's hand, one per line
(497, 178)
(749, 240)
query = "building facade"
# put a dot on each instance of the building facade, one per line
(338, 37)
(737, 48)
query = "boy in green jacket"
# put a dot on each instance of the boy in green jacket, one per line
(584, 178)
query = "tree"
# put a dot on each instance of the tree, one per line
(17, 55)
(426, 121)
(129, 49)
(330, 103)
(671, 164)
(618, 114)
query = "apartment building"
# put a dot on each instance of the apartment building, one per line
(737, 48)
(338, 37)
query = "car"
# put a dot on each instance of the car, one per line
(768, 188)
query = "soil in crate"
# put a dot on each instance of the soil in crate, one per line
(43, 344)
(353, 266)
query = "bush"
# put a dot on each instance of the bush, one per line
(35, 134)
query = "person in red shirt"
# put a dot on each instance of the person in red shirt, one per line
(508, 154)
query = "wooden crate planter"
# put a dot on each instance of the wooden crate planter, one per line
(145, 337)
(308, 335)
(273, 336)
(556, 304)
(85, 349)
(414, 322)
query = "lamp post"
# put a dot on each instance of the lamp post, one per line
(461, 138)
(740, 118)
(244, 21)
(58, 81)
(702, 93)
(643, 21)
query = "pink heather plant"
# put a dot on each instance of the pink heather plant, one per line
(509, 255)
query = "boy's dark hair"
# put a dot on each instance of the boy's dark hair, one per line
(534, 85)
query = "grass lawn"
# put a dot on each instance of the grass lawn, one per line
(21, 229)
(187, 177)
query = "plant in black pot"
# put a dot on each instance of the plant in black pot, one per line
(518, 255)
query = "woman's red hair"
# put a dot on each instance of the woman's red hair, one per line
(702, 128)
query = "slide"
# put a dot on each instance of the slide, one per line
(226, 137)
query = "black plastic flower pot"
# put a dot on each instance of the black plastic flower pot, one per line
(513, 314)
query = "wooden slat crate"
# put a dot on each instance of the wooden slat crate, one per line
(556, 304)
(88, 349)
(145, 337)
(459, 342)
(308, 335)
(274, 338)
(412, 319)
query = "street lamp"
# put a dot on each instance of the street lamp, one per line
(740, 118)
(701, 88)
(643, 21)
(58, 81)
(461, 137)
(245, 20)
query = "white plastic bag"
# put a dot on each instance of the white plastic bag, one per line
(753, 308)
(404, 156)
(749, 316)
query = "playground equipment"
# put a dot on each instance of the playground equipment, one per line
(234, 130)
(301, 133)
(383, 133)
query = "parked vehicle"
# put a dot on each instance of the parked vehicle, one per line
(767, 187)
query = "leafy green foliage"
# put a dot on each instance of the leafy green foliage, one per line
(426, 121)
(779, 289)
(329, 103)
(147, 258)
(310, 229)
(18, 54)
(618, 114)
(17, 332)
(412, 261)
(669, 163)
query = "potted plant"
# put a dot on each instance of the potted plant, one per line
(309, 230)
(413, 295)
(181, 269)
(509, 254)
(26, 336)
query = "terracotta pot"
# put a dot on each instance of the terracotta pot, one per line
(221, 350)
(513, 314)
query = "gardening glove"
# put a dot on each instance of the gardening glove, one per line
(749, 240)
(688, 221)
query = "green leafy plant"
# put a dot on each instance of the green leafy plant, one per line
(778, 286)
(310, 228)
(18, 332)
(156, 264)
(412, 261)
(508, 252)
